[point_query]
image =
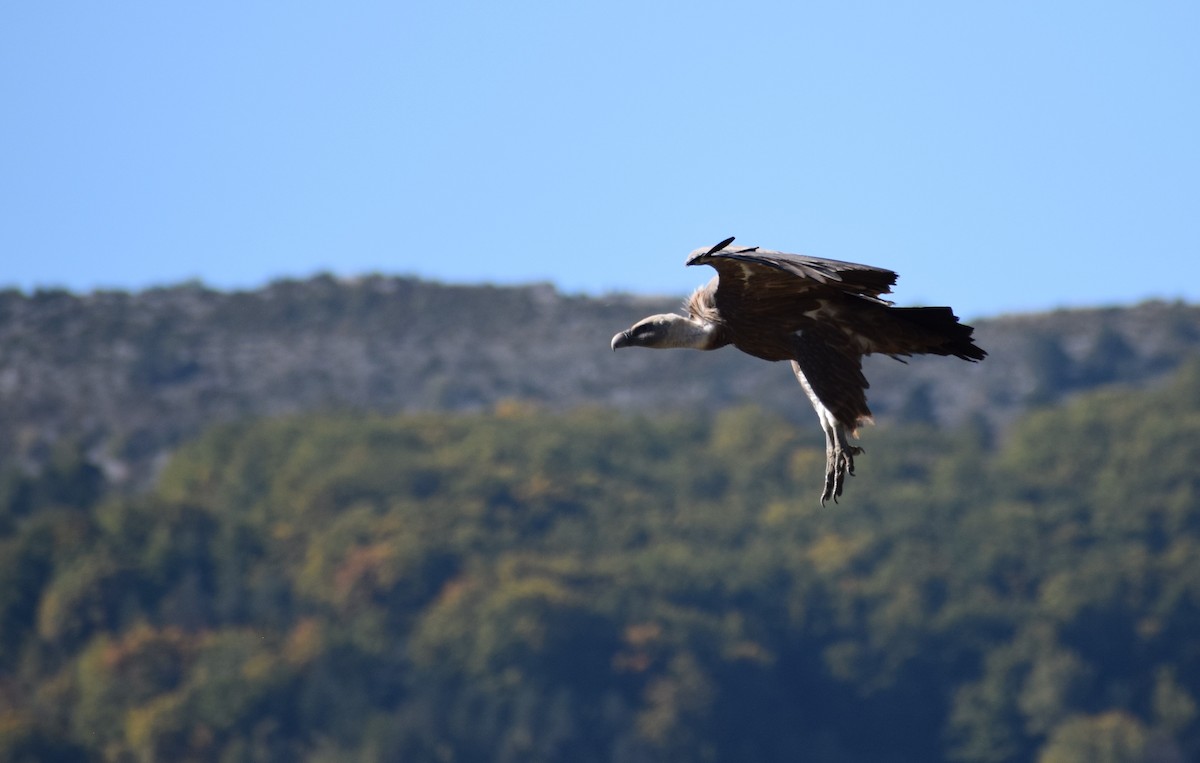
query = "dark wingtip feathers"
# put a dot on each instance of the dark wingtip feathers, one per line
(720, 246)
(697, 257)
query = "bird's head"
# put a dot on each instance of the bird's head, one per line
(662, 331)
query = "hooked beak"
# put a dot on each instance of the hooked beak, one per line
(620, 340)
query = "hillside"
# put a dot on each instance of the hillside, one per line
(521, 586)
(129, 376)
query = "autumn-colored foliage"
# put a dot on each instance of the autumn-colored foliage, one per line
(534, 586)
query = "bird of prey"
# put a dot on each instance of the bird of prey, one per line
(822, 315)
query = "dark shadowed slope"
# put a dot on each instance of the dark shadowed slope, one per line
(131, 375)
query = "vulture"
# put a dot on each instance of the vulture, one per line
(821, 315)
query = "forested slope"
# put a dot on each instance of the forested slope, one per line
(526, 585)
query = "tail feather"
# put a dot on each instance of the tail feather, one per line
(937, 331)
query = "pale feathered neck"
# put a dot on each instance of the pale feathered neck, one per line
(687, 332)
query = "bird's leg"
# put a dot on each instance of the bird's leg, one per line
(839, 453)
(839, 458)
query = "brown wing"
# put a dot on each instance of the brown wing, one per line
(746, 268)
(834, 372)
(764, 297)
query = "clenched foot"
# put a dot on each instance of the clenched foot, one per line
(839, 461)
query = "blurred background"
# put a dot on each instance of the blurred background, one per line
(1008, 156)
(312, 447)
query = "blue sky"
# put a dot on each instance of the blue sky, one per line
(1001, 156)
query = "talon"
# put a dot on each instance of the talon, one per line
(839, 461)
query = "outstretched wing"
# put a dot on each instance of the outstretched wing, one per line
(764, 297)
(820, 313)
(746, 272)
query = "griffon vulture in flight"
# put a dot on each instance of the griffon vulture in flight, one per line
(822, 315)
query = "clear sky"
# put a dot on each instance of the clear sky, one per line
(1000, 156)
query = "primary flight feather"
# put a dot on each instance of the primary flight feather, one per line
(821, 315)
